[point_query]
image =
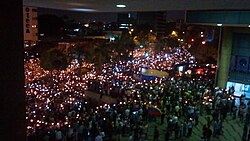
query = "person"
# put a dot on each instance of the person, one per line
(234, 110)
(216, 128)
(196, 116)
(136, 132)
(248, 136)
(45, 137)
(184, 128)
(176, 129)
(80, 131)
(204, 130)
(244, 135)
(162, 116)
(130, 138)
(190, 128)
(208, 133)
(202, 139)
(99, 137)
(167, 135)
(156, 134)
(69, 133)
(58, 135)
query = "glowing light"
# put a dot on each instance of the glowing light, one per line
(174, 33)
(120, 5)
(219, 24)
(86, 25)
(83, 9)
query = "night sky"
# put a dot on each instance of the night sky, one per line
(102, 16)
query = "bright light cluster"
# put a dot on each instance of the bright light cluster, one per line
(52, 94)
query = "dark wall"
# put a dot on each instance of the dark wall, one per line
(12, 97)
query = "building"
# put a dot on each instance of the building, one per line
(234, 46)
(30, 26)
(156, 20)
(125, 20)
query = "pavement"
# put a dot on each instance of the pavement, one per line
(232, 128)
(232, 131)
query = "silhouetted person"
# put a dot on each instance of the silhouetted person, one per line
(156, 134)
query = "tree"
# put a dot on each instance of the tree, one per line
(161, 45)
(172, 41)
(78, 52)
(98, 55)
(53, 59)
(124, 46)
(142, 34)
(42, 47)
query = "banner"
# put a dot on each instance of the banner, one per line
(153, 72)
(153, 110)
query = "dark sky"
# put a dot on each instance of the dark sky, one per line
(104, 17)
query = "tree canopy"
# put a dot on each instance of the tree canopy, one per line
(53, 59)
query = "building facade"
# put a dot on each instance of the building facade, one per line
(30, 26)
(125, 20)
(157, 20)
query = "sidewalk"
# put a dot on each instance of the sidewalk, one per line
(232, 131)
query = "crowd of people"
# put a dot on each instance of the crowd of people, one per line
(57, 108)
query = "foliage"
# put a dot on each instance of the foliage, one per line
(77, 52)
(124, 46)
(142, 34)
(53, 59)
(165, 43)
(98, 54)
(42, 47)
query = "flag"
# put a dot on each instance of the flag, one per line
(153, 110)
